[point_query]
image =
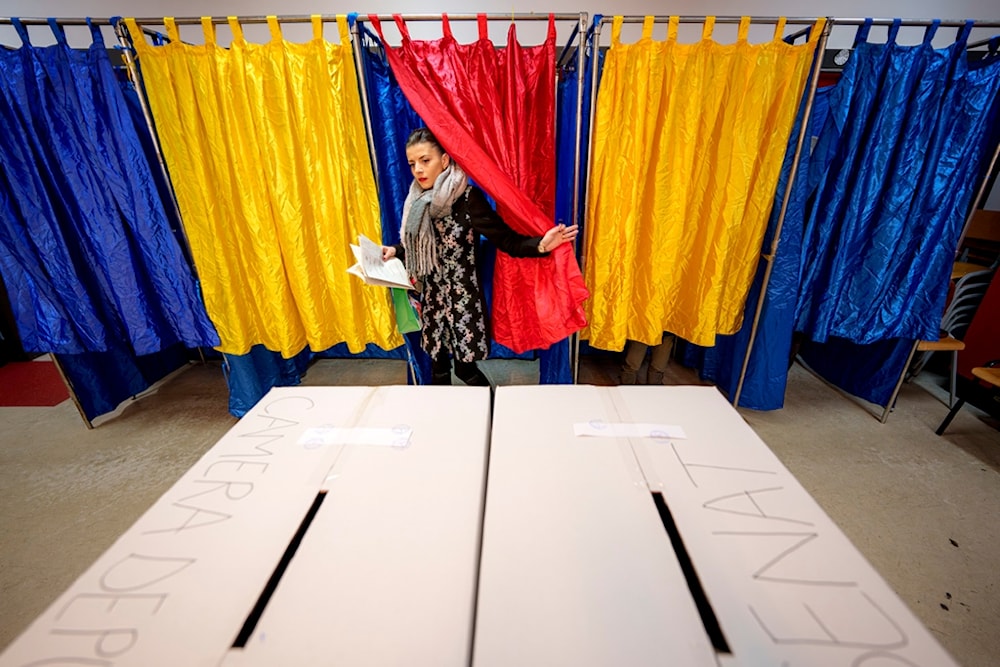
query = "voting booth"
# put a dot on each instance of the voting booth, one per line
(331, 525)
(649, 526)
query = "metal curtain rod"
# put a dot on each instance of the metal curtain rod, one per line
(976, 45)
(242, 20)
(474, 17)
(798, 20)
(914, 22)
(299, 18)
(7, 20)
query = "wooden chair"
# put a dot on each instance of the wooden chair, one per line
(945, 344)
(988, 376)
(969, 291)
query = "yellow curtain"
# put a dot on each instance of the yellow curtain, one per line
(688, 145)
(265, 144)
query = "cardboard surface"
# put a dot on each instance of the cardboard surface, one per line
(387, 573)
(177, 587)
(577, 568)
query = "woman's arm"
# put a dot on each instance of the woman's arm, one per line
(487, 222)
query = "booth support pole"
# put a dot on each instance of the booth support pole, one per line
(980, 193)
(574, 347)
(140, 88)
(595, 51)
(793, 172)
(359, 67)
(72, 391)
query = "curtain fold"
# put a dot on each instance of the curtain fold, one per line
(266, 148)
(471, 96)
(688, 146)
(767, 369)
(897, 164)
(87, 253)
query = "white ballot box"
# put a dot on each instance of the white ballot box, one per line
(331, 525)
(651, 526)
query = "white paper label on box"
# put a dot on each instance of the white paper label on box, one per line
(396, 436)
(601, 428)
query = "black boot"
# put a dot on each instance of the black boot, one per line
(469, 373)
(441, 371)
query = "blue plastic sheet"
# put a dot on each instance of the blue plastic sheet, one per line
(101, 381)
(90, 254)
(86, 249)
(867, 371)
(896, 167)
(905, 148)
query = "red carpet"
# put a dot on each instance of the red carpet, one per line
(31, 384)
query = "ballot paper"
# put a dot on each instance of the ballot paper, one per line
(370, 267)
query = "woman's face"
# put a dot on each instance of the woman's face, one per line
(426, 163)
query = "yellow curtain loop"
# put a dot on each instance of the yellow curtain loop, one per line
(779, 29)
(647, 27)
(317, 24)
(675, 21)
(208, 28)
(272, 24)
(817, 29)
(172, 32)
(744, 31)
(345, 32)
(616, 30)
(234, 25)
(138, 39)
(706, 31)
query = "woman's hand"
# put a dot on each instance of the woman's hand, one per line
(388, 252)
(558, 235)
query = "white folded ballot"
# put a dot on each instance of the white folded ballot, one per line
(372, 270)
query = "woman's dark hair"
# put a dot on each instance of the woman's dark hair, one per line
(422, 135)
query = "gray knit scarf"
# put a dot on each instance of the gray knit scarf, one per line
(421, 208)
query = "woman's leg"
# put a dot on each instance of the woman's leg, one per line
(469, 373)
(658, 360)
(441, 370)
(635, 352)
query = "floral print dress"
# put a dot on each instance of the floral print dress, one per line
(454, 312)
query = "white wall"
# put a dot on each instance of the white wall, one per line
(980, 9)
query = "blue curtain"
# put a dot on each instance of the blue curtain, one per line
(93, 269)
(894, 170)
(901, 156)
(392, 121)
(767, 369)
(567, 151)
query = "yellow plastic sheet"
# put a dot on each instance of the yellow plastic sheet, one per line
(265, 144)
(688, 145)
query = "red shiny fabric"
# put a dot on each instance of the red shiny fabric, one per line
(473, 97)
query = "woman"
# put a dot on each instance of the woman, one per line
(442, 219)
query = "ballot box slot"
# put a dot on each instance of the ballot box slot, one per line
(272, 584)
(708, 617)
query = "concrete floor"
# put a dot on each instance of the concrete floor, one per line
(920, 507)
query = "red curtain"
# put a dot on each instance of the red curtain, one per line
(493, 110)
